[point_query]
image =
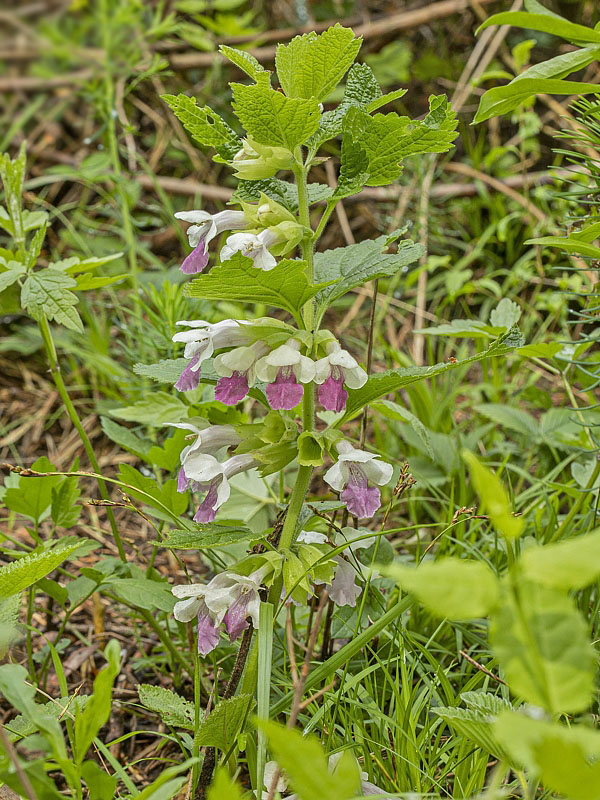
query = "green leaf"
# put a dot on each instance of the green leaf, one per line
(389, 97)
(143, 593)
(506, 314)
(285, 286)
(541, 642)
(168, 456)
(273, 119)
(352, 175)
(155, 496)
(222, 726)
(394, 411)
(451, 587)
(515, 419)
(247, 63)
(11, 275)
(204, 125)
(502, 99)
(567, 565)
(494, 498)
(310, 449)
(571, 244)
(156, 409)
(101, 785)
(33, 496)
(97, 710)
(312, 65)
(208, 536)
(125, 437)
(172, 709)
(348, 267)
(475, 723)
(223, 787)
(391, 381)
(546, 23)
(87, 282)
(46, 294)
(64, 509)
(167, 370)
(304, 761)
(25, 571)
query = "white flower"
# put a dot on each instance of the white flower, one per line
(213, 476)
(254, 246)
(233, 598)
(312, 537)
(206, 226)
(208, 441)
(337, 368)
(351, 475)
(237, 369)
(344, 590)
(202, 340)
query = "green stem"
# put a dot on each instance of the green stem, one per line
(196, 745)
(295, 507)
(576, 507)
(77, 424)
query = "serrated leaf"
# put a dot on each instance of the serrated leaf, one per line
(156, 409)
(389, 97)
(356, 264)
(285, 286)
(451, 587)
(515, 419)
(273, 119)
(46, 294)
(172, 709)
(352, 175)
(221, 727)
(11, 275)
(204, 125)
(379, 385)
(247, 63)
(475, 723)
(206, 537)
(25, 571)
(541, 642)
(64, 509)
(506, 314)
(312, 65)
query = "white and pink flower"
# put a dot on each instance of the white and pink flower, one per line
(254, 246)
(237, 371)
(203, 230)
(208, 441)
(352, 476)
(336, 369)
(285, 369)
(201, 341)
(207, 474)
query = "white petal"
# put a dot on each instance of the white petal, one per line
(379, 472)
(305, 370)
(223, 492)
(312, 537)
(342, 358)
(337, 476)
(343, 590)
(322, 370)
(265, 260)
(188, 590)
(355, 378)
(187, 610)
(202, 467)
(196, 217)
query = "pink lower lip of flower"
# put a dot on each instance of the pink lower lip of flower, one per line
(208, 633)
(285, 392)
(361, 499)
(189, 378)
(207, 510)
(197, 259)
(233, 389)
(332, 394)
(183, 481)
(235, 618)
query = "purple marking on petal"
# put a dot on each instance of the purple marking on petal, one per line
(189, 378)
(183, 481)
(235, 618)
(332, 394)
(208, 632)
(361, 499)
(285, 392)
(207, 509)
(231, 390)
(197, 259)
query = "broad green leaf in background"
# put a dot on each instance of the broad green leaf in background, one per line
(273, 119)
(392, 410)
(285, 286)
(304, 761)
(452, 587)
(208, 536)
(154, 495)
(33, 496)
(172, 708)
(571, 244)
(542, 644)
(546, 23)
(125, 437)
(565, 758)
(221, 727)
(312, 65)
(64, 509)
(204, 125)
(97, 710)
(167, 370)
(101, 785)
(494, 498)
(25, 571)
(502, 99)
(475, 722)
(348, 267)
(385, 383)
(567, 565)
(143, 593)
(46, 294)
(156, 409)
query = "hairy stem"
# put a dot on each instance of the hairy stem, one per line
(77, 424)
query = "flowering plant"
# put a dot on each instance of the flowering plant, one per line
(287, 373)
